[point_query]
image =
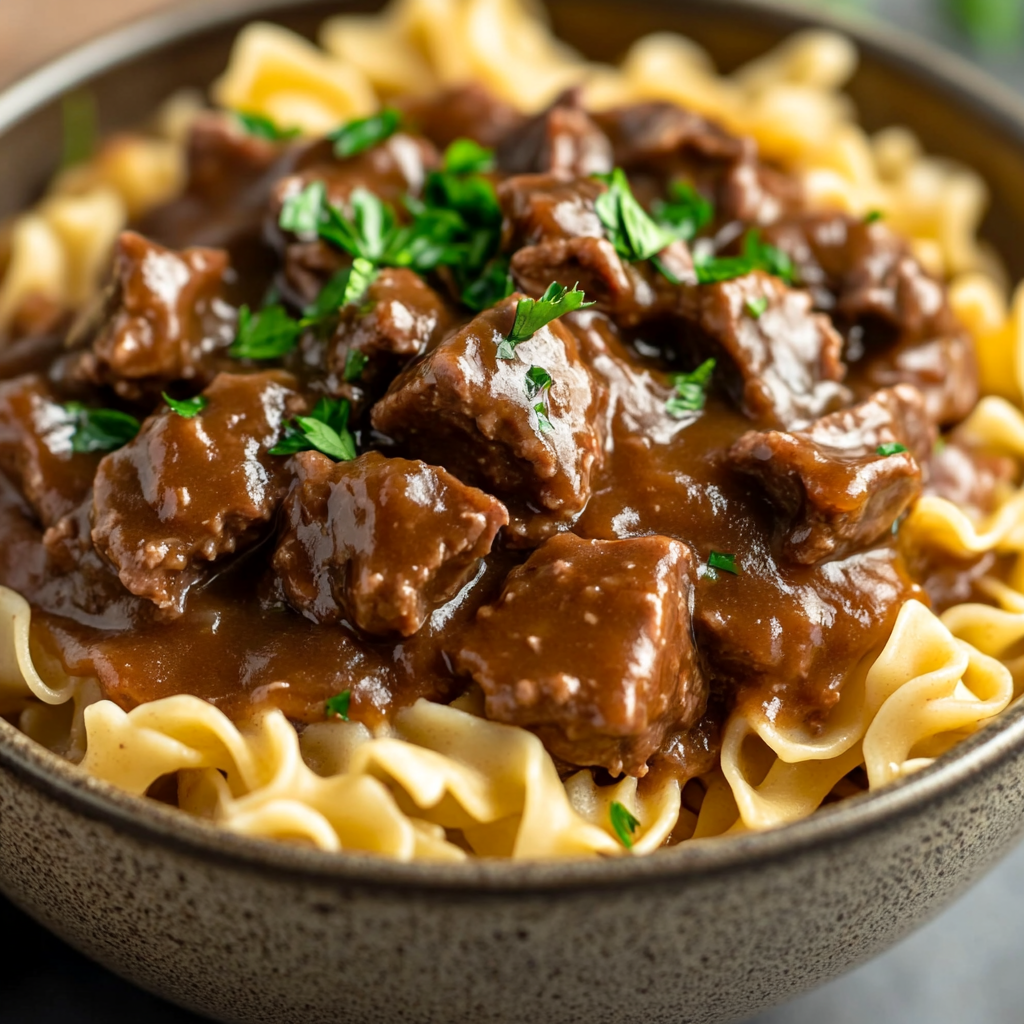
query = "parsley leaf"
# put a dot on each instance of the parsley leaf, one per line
(713, 269)
(302, 211)
(533, 314)
(324, 430)
(100, 430)
(364, 133)
(262, 127)
(339, 705)
(873, 216)
(543, 423)
(187, 408)
(630, 228)
(346, 287)
(691, 390)
(464, 156)
(493, 285)
(892, 448)
(767, 257)
(537, 380)
(726, 562)
(80, 133)
(355, 363)
(755, 307)
(624, 824)
(686, 211)
(268, 334)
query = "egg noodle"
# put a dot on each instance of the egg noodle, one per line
(443, 781)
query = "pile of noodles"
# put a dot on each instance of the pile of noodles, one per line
(442, 782)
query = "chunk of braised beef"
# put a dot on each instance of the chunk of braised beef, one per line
(464, 408)
(36, 452)
(782, 362)
(382, 542)
(188, 491)
(972, 479)
(590, 647)
(399, 318)
(900, 326)
(164, 320)
(464, 112)
(664, 142)
(835, 486)
(563, 141)
(544, 207)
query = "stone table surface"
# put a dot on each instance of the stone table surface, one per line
(964, 966)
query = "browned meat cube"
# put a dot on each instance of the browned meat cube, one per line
(35, 449)
(463, 112)
(186, 492)
(563, 141)
(589, 646)
(783, 364)
(836, 491)
(383, 542)
(399, 318)
(165, 319)
(971, 479)
(543, 207)
(464, 408)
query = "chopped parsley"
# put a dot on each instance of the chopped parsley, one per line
(100, 430)
(685, 213)
(873, 216)
(355, 363)
(543, 423)
(537, 380)
(346, 287)
(188, 408)
(365, 133)
(623, 823)
(267, 334)
(755, 307)
(464, 156)
(892, 448)
(533, 314)
(324, 430)
(767, 257)
(712, 269)
(629, 226)
(339, 705)
(261, 127)
(78, 112)
(691, 389)
(718, 560)
(493, 285)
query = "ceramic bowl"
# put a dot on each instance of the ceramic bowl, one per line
(244, 930)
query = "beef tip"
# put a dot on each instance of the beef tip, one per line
(835, 492)
(589, 646)
(897, 318)
(783, 366)
(186, 492)
(563, 141)
(399, 318)
(463, 408)
(382, 542)
(970, 478)
(664, 142)
(35, 449)
(542, 207)
(464, 112)
(164, 320)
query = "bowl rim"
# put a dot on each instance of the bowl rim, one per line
(148, 820)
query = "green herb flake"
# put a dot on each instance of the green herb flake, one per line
(544, 424)
(261, 127)
(623, 823)
(187, 408)
(346, 287)
(464, 156)
(268, 334)
(364, 133)
(487, 290)
(630, 228)
(324, 430)
(533, 314)
(717, 560)
(767, 257)
(80, 132)
(338, 706)
(691, 390)
(302, 211)
(685, 213)
(873, 216)
(537, 380)
(355, 363)
(892, 448)
(755, 307)
(714, 269)
(100, 430)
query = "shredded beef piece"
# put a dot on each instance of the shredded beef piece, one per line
(35, 449)
(783, 365)
(165, 320)
(589, 646)
(971, 479)
(544, 207)
(463, 408)
(186, 492)
(381, 541)
(463, 112)
(834, 490)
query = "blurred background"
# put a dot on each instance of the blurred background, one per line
(965, 966)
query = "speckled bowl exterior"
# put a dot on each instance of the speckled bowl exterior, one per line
(244, 930)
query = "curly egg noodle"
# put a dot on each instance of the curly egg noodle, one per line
(442, 782)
